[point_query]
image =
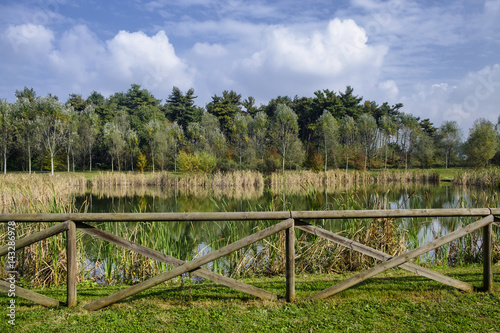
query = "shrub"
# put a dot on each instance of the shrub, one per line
(269, 165)
(225, 165)
(197, 162)
(141, 162)
(315, 161)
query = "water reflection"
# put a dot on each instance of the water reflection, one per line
(197, 199)
(188, 240)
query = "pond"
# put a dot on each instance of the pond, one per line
(186, 240)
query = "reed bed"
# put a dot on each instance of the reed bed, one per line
(353, 177)
(243, 179)
(42, 263)
(489, 177)
(23, 193)
(248, 179)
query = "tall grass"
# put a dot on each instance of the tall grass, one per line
(243, 179)
(339, 179)
(478, 177)
(23, 193)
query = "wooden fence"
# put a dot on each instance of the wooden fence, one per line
(290, 220)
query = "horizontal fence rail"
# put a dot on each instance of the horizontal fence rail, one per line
(243, 216)
(288, 221)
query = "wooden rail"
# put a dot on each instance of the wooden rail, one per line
(70, 223)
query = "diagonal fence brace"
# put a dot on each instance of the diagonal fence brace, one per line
(156, 255)
(365, 275)
(29, 295)
(369, 251)
(189, 266)
(38, 236)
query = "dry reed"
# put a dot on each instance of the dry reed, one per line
(478, 177)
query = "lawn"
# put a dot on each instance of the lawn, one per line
(395, 301)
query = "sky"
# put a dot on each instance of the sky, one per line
(441, 59)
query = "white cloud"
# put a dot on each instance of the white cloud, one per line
(209, 50)
(390, 89)
(151, 61)
(77, 56)
(79, 62)
(29, 39)
(290, 60)
(341, 46)
(476, 95)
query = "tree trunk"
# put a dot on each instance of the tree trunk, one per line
(326, 153)
(52, 163)
(284, 160)
(347, 159)
(366, 156)
(5, 161)
(29, 158)
(385, 162)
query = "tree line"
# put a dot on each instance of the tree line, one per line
(133, 130)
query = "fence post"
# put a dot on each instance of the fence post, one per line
(290, 263)
(71, 263)
(487, 258)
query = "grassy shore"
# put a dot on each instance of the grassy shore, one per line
(395, 301)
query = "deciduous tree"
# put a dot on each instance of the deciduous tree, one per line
(284, 130)
(6, 130)
(327, 131)
(482, 143)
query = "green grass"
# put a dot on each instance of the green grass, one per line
(394, 301)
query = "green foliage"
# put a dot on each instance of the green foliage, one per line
(141, 162)
(225, 108)
(197, 162)
(226, 165)
(284, 130)
(181, 108)
(315, 161)
(339, 124)
(482, 143)
(424, 149)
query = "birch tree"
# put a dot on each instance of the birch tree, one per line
(409, 126)
(240, 132)
(387, 131)
(259, 127)
(152, 130)
(6, 130)
(50, 121)
(70, 130)
(327, 132)
(176, 137)
(449, 139)
(284, 130)
(115, 142)
(89, 131)
(367, 131)
(348, 135)
(25, 117)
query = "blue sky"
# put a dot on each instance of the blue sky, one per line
(441, 59)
